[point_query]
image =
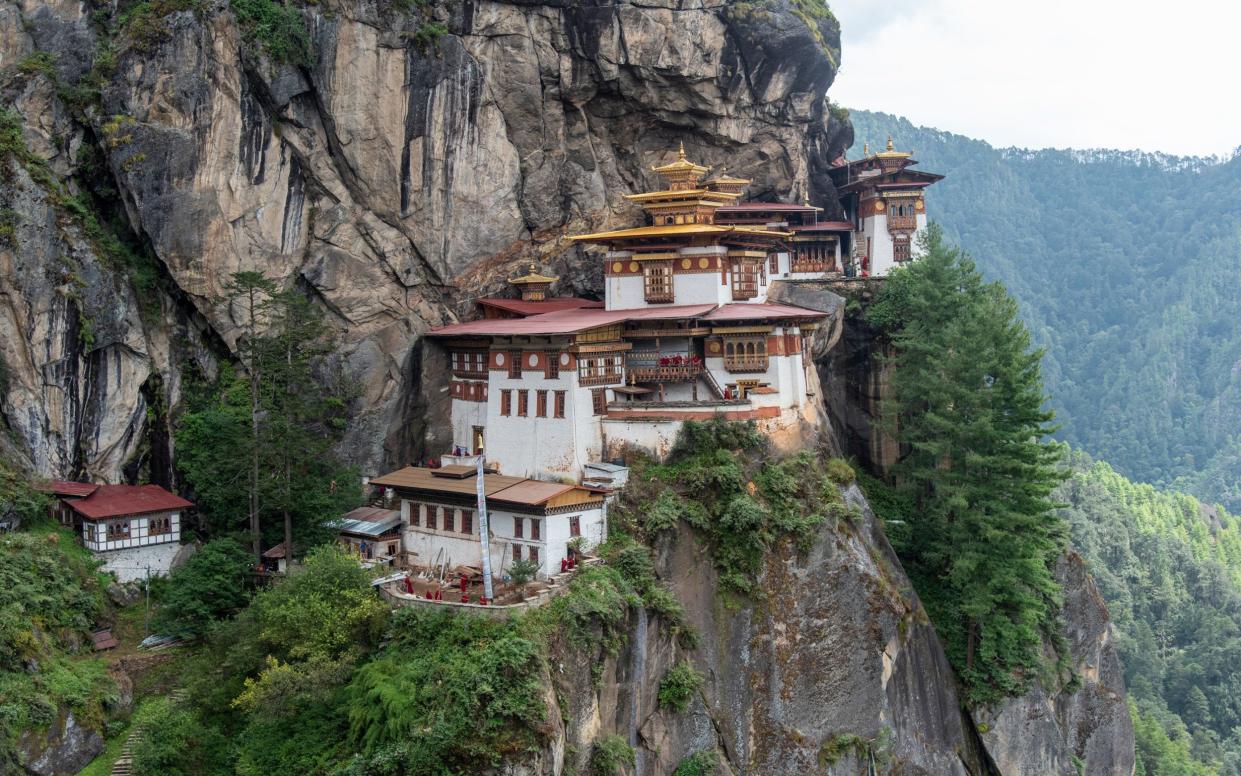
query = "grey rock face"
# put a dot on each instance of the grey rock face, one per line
(61, 751)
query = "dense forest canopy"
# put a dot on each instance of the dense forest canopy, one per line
(1127, 268)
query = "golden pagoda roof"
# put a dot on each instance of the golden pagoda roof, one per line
(533, 277)
(681, 194)
(679, 230)
(681, 164)
(892, 153)
(727, 179)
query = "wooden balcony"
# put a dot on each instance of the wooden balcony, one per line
(671, 373)
(746, 363)
(902, 223)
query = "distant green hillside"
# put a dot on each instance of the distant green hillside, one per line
(1170, 571)
(1128, 270)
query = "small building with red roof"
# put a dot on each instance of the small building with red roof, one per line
(134, 529)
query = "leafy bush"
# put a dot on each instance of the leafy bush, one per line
(453, 691)
(521, 572)
(275, 27)
(609, 754)
(697, 764)
(595, 606)
(209, 587)
(176, 743)
(840, 472)
(678, 687)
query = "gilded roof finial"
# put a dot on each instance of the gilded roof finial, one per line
(890, 146)
(681, 152)
(533, 268)
(865, 149)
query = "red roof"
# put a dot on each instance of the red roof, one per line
(524, 308)
(123, 500)
(67, 488)
(752, 312)
(824, 226)
(568, 321)
(762, 207)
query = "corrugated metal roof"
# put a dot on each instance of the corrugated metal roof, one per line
(531, 492)
(524, 308)
(762, 207)
(66, 488)
(418, 478)
(753, 312)
(124, 500)
(369, 521)
(568, 321)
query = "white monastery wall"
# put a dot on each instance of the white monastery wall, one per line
(131, 564)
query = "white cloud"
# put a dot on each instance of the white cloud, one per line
(1090, 73)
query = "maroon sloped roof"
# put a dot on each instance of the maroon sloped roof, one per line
(824, 226)
(763, 207)
(122, 500)
(753, 312)
(66, 488)
(568, 321)
(524, 308)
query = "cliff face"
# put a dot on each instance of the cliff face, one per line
(837, 671)
(409, 164)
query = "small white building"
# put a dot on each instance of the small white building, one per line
(134, 529)
(528, 519)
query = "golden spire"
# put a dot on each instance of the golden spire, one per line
(681, 151)
(890, 146)
(865, 149)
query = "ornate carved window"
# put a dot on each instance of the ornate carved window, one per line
(745, 354)
(745, 279)
(599, 401)
(900, 249)
(551, 367)
(469, 363)
(657, 280)
(514, 364)
(118, 529)
(600, 369)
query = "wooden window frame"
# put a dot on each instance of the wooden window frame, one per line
(506, 401)
(575, 526)
(746, 354)
(558, 404)
(516, 551)
(514, 364)
(519, 527)
(467, 521)
(113, 532)
(744, 277)
(535, 529)
(599, 401)
(657, 283)
(540, 403)
(532, 554)
(551, 368)
(523, 403)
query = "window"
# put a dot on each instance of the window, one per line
(534, 528)
(601, 369)
(559, 409)
(745, 279)
(467, 521)
(523, 403)
(469, 363)
(514, 364)
(516, 552)
(506, 402)
(745, 354)
(450, 519)
(575, 525)
(418, 514)
(533, 554)
(599, 400)
(157, 526)
(900, 249)
(773, 263)
(519, 525)
(433, 517)
(551, 368)
(540, 404)
(657, 280)
(118, 529)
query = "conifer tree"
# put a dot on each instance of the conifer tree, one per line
(969, 411)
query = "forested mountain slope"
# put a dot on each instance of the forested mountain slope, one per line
(1170, 571)
(1127, 267)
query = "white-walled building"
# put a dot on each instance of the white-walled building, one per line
(131, 528)
(528, 519)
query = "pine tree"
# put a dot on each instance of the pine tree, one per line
(968, 408)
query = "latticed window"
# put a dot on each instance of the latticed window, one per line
(469, 363)
(900, 249)
(514, 364)
(523, 403)
(599, 369)
(540, 404)
(599, 401)
(506, 402)
(745, 279)
(467, 521)
(745, 354)
(560, 396)
(551, 368)
(657, 280)
(118, 530)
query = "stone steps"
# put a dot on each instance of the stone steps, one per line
(124, 765)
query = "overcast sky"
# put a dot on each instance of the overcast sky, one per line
(1063, 73)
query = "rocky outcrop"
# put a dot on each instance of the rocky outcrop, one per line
(64, 749)
(407, 166)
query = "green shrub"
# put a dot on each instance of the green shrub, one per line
(609, 755)
(840, 472)
(594, 608)
(276, 28)
(521, 572)
(210, 586)
(177, 743)
(428, 33)
(697, 764)
(678, 687)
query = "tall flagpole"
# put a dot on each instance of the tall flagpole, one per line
(483, 530)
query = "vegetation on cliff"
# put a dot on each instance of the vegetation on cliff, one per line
(1127, 267)
(967, 403)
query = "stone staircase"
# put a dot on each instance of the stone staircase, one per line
(124, 765)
